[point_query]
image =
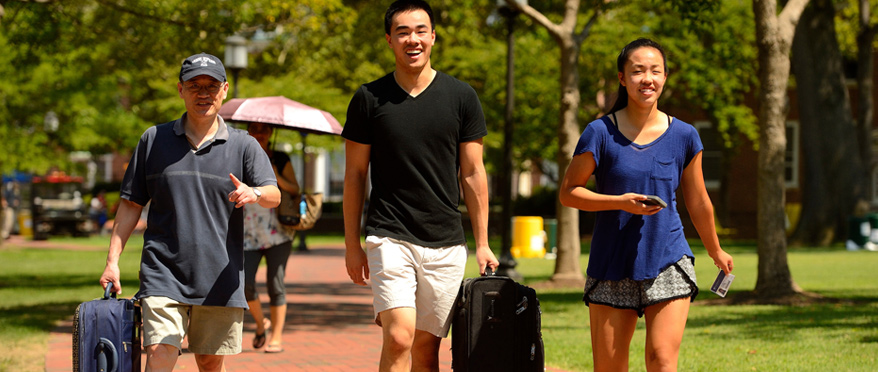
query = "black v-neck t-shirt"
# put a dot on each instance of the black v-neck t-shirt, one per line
(414, 157)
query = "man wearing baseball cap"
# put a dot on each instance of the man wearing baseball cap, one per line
(197, 172)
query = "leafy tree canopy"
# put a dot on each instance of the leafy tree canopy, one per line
(107, 69)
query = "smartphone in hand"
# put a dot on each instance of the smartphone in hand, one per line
(654, 200)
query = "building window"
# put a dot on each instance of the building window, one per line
(712, 156)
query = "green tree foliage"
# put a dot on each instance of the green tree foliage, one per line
(108, 68)
(713, 54)
(847, 25)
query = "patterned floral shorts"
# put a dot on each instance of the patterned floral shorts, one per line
(676, 281)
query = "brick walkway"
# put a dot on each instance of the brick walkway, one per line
(329, 324)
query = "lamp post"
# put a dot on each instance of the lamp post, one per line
(303, 247)
(236, 58)
(51, 122)
(507, 262)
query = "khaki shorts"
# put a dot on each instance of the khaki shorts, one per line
(211, 330)
(408, 275)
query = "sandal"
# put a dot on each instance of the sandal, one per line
(259, 339)
(276, 348)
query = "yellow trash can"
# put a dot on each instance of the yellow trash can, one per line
(528, 238)
(25, 223)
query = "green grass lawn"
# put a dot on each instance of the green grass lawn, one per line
(822, 337)
(40, 287)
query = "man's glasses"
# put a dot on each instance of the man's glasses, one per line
(197, 88)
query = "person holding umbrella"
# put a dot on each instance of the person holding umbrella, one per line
(264, 237)
(421, 133)
(196, 172)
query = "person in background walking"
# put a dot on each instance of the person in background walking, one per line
(263, 236)
(97, 210)
(640, 263)
(418, 130)
(197, 173)
(10, 201)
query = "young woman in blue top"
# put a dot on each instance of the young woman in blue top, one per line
(640, 263)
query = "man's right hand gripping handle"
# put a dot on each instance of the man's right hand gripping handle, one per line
(111, 275)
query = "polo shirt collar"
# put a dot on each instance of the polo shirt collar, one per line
(222, 133)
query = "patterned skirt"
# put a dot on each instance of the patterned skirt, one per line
(674, 282)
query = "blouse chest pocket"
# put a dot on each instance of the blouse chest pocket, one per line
(663, 169)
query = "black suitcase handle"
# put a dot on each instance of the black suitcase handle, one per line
(109, 291)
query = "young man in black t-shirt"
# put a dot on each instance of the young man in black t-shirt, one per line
(419, 130)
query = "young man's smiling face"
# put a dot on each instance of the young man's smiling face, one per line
(412, 37)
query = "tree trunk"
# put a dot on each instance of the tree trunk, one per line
(567, 267)
(865, 108)
(833, 179)
(773, 37)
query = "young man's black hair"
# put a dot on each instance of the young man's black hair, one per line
(406, 6)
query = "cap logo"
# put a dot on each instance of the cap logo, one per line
(203, 60)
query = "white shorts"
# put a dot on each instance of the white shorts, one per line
(408, 275)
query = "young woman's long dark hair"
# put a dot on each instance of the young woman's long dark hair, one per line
(622, 96)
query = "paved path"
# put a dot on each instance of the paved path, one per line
(329, 324)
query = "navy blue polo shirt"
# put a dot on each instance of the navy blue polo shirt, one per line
(194, 240)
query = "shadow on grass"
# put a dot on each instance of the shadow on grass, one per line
(752, 321)
(563, 310)
(779, 321)
(42, 317)
(50, 282)
(566, 297)
(45, 315)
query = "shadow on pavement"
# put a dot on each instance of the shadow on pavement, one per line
(320, 252)
(329, 315)
(327, 289)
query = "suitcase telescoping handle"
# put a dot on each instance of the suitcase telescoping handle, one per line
(109, 291)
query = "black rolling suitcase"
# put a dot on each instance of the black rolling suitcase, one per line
(106, 335)
(496, 327)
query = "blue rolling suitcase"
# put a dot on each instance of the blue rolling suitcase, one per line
(106, 335)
